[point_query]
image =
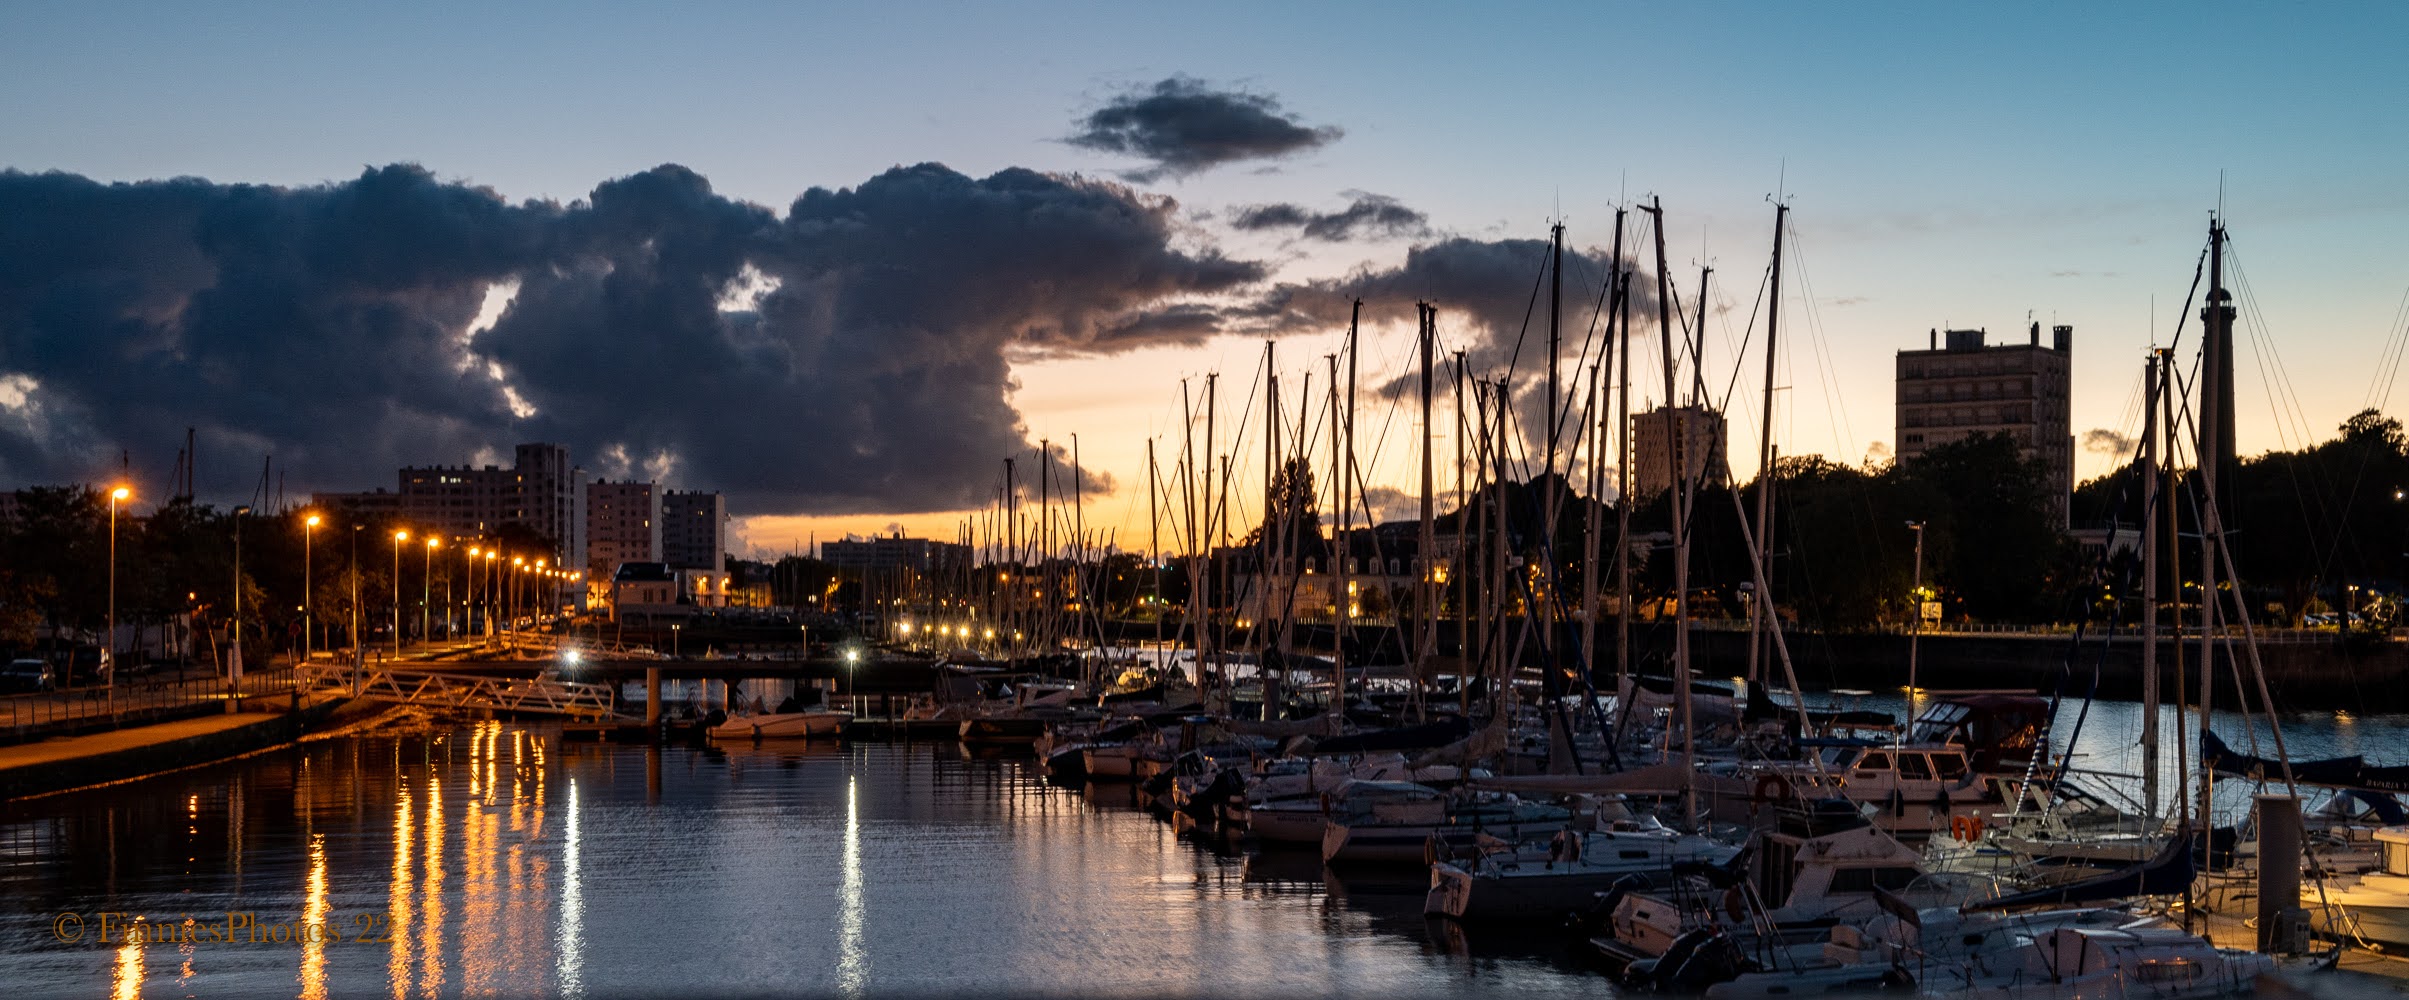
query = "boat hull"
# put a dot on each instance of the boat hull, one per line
(785, 725)
(1023, 732)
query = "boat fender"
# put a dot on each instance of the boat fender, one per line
(1898, 803)
(1941, 803)
(1770, 788)
(1327, 801)
(1735, 904)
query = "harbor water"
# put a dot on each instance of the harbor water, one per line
(494, 858)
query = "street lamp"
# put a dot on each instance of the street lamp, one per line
(309, 528)
(469, 567)
(493, 587)
(426, 592)
(511, 611)
(1916, 630)
(398, 538)
(234, 657)
(109, 660)
(359, 649)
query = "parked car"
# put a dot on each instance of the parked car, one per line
(27, 675)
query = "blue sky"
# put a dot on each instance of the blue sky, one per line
(1961, 165)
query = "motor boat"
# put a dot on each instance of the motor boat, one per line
(1506, 883)
(2094, 963)
(1818, 868)
(1399, 822)
(782, 725)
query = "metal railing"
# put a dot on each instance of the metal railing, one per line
(463, 691)
(43, 714)
(2286, 636)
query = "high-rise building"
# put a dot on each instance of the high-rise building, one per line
(1962, 387)
(694, 530)
(1690, 437)
(540, 491)
(623, 525)
(921, 556)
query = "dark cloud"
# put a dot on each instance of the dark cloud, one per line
(1484, 290)
(2102, 441)
(1367, 215)
(853, 355)
(1183, 125)
(1491, 304)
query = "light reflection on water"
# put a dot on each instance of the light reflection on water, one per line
(497, 860)
(440, 864)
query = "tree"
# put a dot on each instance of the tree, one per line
(1293, 509)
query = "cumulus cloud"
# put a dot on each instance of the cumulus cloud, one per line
(1368, 215)
(2102, 441)
(1183, 125)
(849, 356)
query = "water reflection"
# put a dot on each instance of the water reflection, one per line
(313, 918)
(853, 965)
(721, 871)
(570, 940)
(128, 981)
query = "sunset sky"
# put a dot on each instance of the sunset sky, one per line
(1996, 167)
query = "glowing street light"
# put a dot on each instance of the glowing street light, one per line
(109, 662)
(426, 594)
(309, 528)
(398, 538)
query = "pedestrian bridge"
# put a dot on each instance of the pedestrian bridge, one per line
(434, 689)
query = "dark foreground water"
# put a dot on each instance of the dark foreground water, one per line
(496, 860)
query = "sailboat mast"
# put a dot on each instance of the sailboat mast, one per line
(1463, 530)
(2148, 469)
(1760, 611)
(1426, 591)
(1200, 562)
(1543, 611)
(1502, 698)
(1681, 537)
(1622, 471)
(1338, 555)
(1271, 572)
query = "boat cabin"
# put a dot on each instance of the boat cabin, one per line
(1997, 731)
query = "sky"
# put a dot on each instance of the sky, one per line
(431, 231)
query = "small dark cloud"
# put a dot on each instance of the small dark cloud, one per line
(1366, 215)
(1183, 126)
(2102, 441)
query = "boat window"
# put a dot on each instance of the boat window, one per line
(1869, 879)
(1838, 756)
(1951, 766)
(1915, 767)
(2176, 971)
(1874, 762)
(1634, 855)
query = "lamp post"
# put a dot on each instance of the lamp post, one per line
(109, 649)
(493, 588)
(1915, 631)
(359, 650)
(470, 568)
(398, 538)
(309, 528)
(510, 608)
(234, 657)
(426, 592)
(536, 594)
